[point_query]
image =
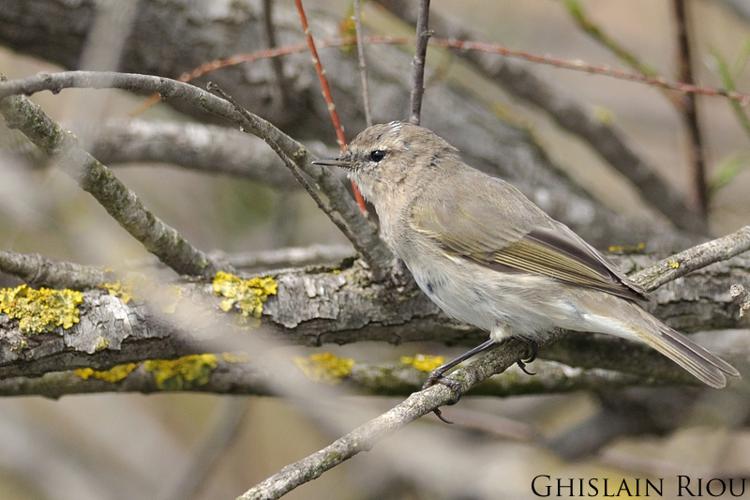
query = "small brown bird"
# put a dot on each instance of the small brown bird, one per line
(488, 256)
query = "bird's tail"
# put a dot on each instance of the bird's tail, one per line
(697, 360)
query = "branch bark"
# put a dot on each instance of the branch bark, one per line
(327, 189)
(204, 148)
(334, 305)
(122, 204)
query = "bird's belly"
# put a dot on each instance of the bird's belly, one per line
(488, 299)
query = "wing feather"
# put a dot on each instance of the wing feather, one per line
(489, 228)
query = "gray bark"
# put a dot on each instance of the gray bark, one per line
(318, 305)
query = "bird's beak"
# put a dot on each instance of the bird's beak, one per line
(334, 162)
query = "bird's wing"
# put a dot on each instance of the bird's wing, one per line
(489, 227)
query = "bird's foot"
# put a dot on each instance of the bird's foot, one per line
(436, 377)
(532, 349)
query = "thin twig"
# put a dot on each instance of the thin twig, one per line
(690, 109)
(364, 437)
(327, 96)
(699, 256)
(122, 204)
(742, 98)
(276, 63)
(418, 63)
(603, 138)
(362, 62)
(339, 206)
(577, 65)
(576, 11)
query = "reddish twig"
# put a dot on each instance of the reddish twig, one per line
(417, 64)
(689, 111)
(742, 98)
(575, 65)
(326, 90)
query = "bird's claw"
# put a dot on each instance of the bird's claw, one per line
(532, 349)
(453, 385)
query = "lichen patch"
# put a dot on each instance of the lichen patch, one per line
(182, 373)
(113, 375)
(324, 367)
(41, 310)
(245, 295)
(423, 362)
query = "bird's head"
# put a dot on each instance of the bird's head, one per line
(383, 158)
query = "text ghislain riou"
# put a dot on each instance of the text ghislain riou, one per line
(544, 485)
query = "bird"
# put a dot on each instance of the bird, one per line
(488, 256)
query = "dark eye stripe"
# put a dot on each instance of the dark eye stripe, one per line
(377, 155)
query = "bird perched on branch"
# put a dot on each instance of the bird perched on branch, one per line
(488, 256)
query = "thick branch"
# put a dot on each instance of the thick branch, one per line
(341, 305)
(387, 379)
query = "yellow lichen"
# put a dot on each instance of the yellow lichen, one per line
(324, 367)
(423, 362)
(673, 264)
(113, 375)
(247, 295)
(101, 344)
(235, 357)
(627, 249)
(124, 292)
(186, 372)
(41, 310)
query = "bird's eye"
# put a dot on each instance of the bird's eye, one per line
(377, 155)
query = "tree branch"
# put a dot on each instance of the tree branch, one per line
(362, 63)
(287, 257)
(418, 63)
(690, 109)
(37, 270)
(339, 206)
(121, 203)
(340, 305)
(235, 377)
(696, 257)
(204, 148)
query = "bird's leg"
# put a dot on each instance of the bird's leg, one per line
(532, 347)
(436, 376)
